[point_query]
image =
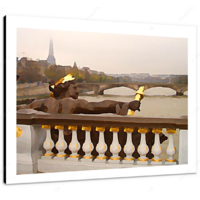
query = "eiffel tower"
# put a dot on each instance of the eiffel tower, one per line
(51, 59)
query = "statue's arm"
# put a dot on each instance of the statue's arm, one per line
(106, 106)
(36, 105)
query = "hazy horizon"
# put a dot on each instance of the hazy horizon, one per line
(110, 53)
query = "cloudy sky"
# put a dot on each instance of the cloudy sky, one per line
(110, 53)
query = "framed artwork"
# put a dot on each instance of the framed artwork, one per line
(93, 99)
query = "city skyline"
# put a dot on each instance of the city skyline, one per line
(110, 53)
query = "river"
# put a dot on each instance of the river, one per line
(157, 102)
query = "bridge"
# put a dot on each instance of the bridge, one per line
(99, 88)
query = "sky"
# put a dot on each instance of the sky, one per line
(110, 53)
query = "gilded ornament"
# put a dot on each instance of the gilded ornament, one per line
(143, 130)
(156, 160)
(63, 80)
(88, 157)
(128, 130)
(59, 127)
(140, 159)
(170, 160)
(74, 128)
(98, 128)
(61, 155)
(140, 92)
(131, 112)
(157, 130)
(86, 128)
(19, 131)
(101, 158)
(71, 156)
(113, 158)
(114, 129)
(169, 130)
(46, 126)
(129, 159)
(50, 154)
(139, 95)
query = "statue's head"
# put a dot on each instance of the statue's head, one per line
(65, 87)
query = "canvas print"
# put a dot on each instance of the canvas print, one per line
(92, 74)
(92, 101)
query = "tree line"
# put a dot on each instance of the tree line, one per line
(57, 72)
(30, 71)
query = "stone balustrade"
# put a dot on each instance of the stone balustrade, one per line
(49, 161)
(115, 147)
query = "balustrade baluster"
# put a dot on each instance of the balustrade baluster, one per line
(156, 149)
(61, 144)
(87, 145)
(129, 147)
(171, 150)
(115, 147)
(74, 146)
(101, 146)
(48, 144)
(143, 149)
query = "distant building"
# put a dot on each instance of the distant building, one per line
(162, 76)
(101, 73)
(65, 67)
(75, 65)
(51, 59)
(139, 75)
(86, 69)
(93, 72)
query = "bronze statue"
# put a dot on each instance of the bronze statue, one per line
(64, 100)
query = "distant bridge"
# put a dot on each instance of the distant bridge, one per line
(99, 88)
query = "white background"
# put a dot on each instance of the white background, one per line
(156, 187)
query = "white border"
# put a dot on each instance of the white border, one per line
(14, 22)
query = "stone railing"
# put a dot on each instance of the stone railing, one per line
(38, 152)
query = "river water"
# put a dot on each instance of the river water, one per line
(157, 102)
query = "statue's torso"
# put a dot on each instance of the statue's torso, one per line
(62, 106)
